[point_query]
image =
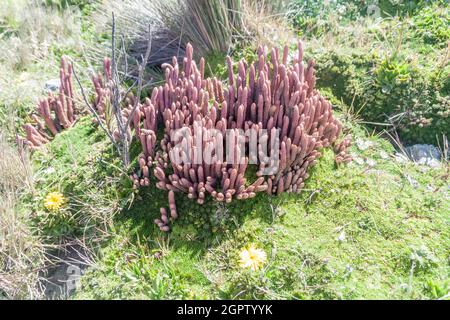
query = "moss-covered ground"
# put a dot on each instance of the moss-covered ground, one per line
(373, 229)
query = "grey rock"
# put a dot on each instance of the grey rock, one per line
(423, 153)
(62, 279)
(52, 85)
(433, 163)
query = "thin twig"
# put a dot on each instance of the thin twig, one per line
(117, 95)
(92, 109)
(116, 98)
(141, 76)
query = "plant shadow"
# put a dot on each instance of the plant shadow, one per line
(198, 227)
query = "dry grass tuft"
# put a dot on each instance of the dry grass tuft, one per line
(29, 31)
(21, 252)
(32, 39)
(265, 23)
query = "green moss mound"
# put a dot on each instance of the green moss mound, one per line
(390, 91)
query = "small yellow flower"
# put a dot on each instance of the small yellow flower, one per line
(53, 201)
(252, 258)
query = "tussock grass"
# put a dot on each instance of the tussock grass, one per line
(217, 26)
(29, 32)
(21, 251)
(77, 163)
(266, 23)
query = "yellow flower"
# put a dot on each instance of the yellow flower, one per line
(53, 201)
(252, 258)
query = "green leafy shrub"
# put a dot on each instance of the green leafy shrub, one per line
(390, 91)
(437, 289)
(399, 7)
(431, 24)
(314, 17)
(21, 250)
(310, 17)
